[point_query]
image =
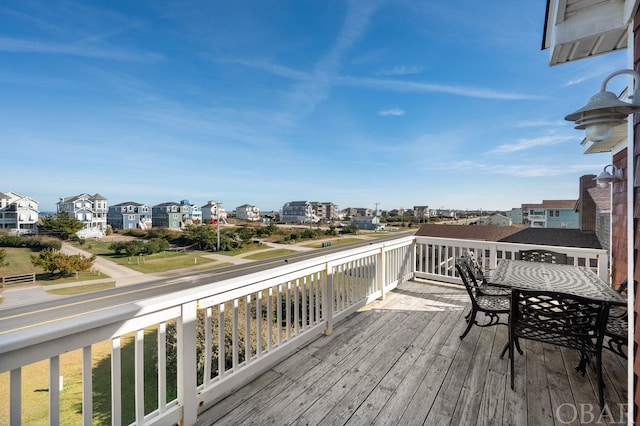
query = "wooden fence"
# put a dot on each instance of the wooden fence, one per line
(18, 279)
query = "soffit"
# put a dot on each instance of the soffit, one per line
(577, 29)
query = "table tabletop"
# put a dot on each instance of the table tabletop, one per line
(576, 280)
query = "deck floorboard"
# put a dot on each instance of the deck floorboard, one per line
(401, 361)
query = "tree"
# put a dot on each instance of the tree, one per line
(205, 236)
(134, 247)
(61, 225)
(246, 234)
(156, 245)
(54, 261)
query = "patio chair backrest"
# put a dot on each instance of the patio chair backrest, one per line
(464, 271)
(558, 318)
(543, 256)
(475, 267)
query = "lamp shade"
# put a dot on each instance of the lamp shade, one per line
(602, 107)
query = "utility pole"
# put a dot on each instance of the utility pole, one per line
(218, 224)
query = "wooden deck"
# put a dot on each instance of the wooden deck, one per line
(400, 361)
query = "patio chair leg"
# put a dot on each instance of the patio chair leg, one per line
(470, 322)
(512, 363)
(506, 346)
(582, 366)
(600, 381)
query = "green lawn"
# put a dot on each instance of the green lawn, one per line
(335, 242)
(80, 289)
(19, 260)
(158, 262)
(268, 254)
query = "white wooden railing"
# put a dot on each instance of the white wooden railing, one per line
(435, 257)
(210, 341)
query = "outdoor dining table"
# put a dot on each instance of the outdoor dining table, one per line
(570, 279)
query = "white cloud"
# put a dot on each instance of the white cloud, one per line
(28, 46)
(402, 70)
(541, 123)
(391, 111)
(528, 143)
(419, 87)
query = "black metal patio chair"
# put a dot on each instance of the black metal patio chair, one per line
(481, 279)
(560, 319)
(617, 330)
(543, 256)
(492, 306)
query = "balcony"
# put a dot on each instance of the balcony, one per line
(364, 335)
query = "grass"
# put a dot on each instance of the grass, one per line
(80, 289)
(269, 254)
(19, 260)
(158, 262)
(335, 242)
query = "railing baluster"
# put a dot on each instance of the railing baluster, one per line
(139, 373)
(208, 346)
(269, 318)
(296, 306)
(279, 313)
(15, 397)
(221, 342)
(259, 324)
(162, 367)
(87, 386)
(287, 314)
(234, 335)
(116, 383)
(303, 292)
(247, 329)
(54, 390)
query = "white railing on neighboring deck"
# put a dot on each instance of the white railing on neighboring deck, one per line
(207, 342)
(435, 257)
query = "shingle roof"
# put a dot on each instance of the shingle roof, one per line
(467, 232)
(551, 204)
(513, 234)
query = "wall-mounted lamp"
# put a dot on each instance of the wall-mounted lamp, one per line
(604, 110)
(605, 178)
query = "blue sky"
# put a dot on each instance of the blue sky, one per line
(400, 103)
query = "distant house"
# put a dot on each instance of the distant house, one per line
(18, 213)
(298, 212)
(130, 215)
(325, 211)
(494, 220)
(195, 212)
(248, 212)
(91, 210)
(551, 214)
(357, 211)
(369, 223)
(170, 215)
(213, 212)
(516, 215)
